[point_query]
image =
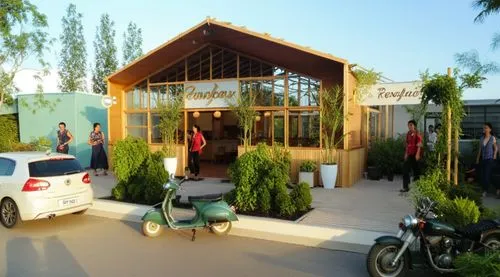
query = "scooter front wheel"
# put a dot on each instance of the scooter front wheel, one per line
(221, 229)
(151, 229)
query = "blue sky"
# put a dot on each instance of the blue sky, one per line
(399, 38)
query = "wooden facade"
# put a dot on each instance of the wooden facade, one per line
(288, 79)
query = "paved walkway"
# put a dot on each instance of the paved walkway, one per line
(368, 205)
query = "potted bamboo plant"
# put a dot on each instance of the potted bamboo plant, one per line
(170, 116)
(332, 120)
(306, 172)
(243, 108)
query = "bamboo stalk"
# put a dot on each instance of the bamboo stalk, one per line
(448, 158)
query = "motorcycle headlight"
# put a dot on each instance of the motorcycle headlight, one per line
(410, 221)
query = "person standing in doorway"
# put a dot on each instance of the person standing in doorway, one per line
(99, 158)
(198, 142)
(431, 138)
(190, 156)
(412, 155)
(486, 157)
(64, 138)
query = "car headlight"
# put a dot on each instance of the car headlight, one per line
(410, 221)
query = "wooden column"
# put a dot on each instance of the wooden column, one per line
(448, 158)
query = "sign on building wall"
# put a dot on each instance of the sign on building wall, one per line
(408, 93)
(210, 94)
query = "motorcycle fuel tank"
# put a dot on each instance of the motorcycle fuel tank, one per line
(437, 228)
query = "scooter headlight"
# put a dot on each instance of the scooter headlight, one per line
(410, 221)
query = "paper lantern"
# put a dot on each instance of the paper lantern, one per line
(217, 114)
(267, 114)
(196, 114)
(257, 118)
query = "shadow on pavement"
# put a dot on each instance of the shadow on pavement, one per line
(44, 257)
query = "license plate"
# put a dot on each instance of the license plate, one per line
(68, 202)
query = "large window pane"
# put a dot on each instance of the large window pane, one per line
(155, 131)
(309, 92)
(175, 73)
(245, 87)
(279, 127)
(137, 119)
(138, 132)
(303, 129)
(472, 124)
(293, 89)
(230, 65)
(174, 90)
(217, 62)
(158, 95)
(263, 92)
(279, 92)
(263, 129)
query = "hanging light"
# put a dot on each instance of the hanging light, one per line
(267, 114)
(217, 114)
(196, 114)
(257, 118)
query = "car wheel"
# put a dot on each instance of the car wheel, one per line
(9, 214)
(221, 229)
(80, 212)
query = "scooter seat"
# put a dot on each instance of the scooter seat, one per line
(206, 198)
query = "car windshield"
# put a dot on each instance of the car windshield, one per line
(54, 167)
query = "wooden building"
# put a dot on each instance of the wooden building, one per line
(214, 62)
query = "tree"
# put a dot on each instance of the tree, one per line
(132, 43)
(73, 57)
(487, 7)
(105, 54)
(244, 111)
(22, 36)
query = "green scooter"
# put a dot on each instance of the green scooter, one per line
(211, 212)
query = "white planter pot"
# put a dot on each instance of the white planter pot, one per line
(307, 177)
(170, 165)
(329, 175)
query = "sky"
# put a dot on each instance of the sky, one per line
(398, 38)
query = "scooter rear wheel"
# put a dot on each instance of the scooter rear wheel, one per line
(221, 229)
(151, 229)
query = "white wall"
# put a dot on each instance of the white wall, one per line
(401, 118)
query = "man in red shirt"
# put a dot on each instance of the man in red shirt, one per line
(412, 155)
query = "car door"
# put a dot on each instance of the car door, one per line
(7, 167)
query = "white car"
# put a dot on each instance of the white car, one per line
(37, 185)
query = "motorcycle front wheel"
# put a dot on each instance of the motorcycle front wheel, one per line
(379, 261)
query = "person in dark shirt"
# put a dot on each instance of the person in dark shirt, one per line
(412, 155)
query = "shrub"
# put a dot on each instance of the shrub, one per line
(466, 190)
(301, 196)
(487, 213)
(429, 186)
(41, 144)
(155, 178)
(460, 212)
(264, 200)
(229, 196)
(474, 265)
(119, 192)
(135, 191)
(283, 203)
(308, 166)
(128, 156)
(10, 132)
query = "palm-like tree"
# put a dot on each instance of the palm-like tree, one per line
(487, 7)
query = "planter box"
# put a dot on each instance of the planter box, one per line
(307, 177)
(329, 175)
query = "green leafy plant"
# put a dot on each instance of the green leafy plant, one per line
(155, 178)
(244, 111)
(474, 265)
(332, 119)
(364, 80)
(460, 212)
(170, 116)
(468, 191)
(10, 132)
(283, 203)
(41, 144)
(128, 156)
(119, 192)
(308, 166)
(301, 196)
(430, 186)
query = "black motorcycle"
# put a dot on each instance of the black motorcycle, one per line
(425, 241)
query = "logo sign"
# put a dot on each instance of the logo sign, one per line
(408, 93)
(67, 182)
(108, 101)
(210, 94)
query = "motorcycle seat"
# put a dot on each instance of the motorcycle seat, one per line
(206, 198)
(474, 231)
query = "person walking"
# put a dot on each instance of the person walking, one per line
(486, 157)
(99, 159)
(412, 155)
(431, 138)
(198, 142)
(64, 138)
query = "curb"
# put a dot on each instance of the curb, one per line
(344, 239)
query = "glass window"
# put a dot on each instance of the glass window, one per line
(293, 89)
(279, 92)
(50, 168)
(279, 127)
(155, 131)
(217, 63)
(137, 119)
(230, 65)
(244, 67)
(175, 73)
(174, 90)
(303, 129)
(309, 92)
(263, 92)
(137, 98)
(158, 95)
(263, 129)
(138, 132)
(245, 87)
(7, 167)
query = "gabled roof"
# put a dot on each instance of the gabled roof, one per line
(263, 46)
